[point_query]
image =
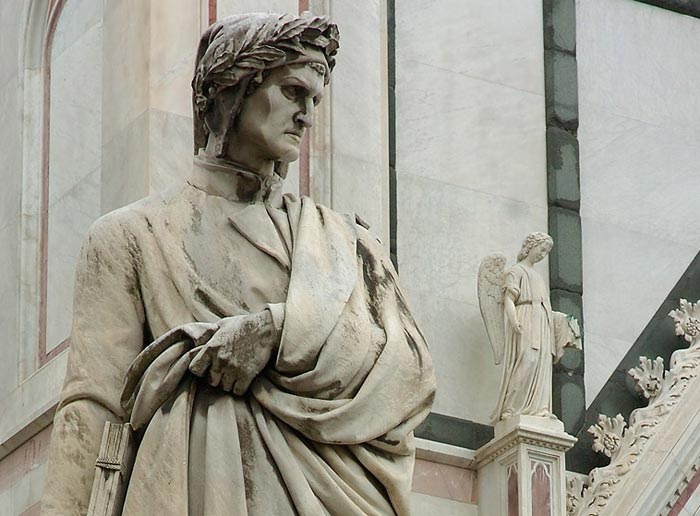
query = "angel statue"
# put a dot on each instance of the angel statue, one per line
(526, 334)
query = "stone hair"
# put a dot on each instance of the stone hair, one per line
(531, 241)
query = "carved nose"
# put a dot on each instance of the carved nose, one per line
(306, 115)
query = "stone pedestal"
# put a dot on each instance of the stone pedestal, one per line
(522, 469)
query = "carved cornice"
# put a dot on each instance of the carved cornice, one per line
(625, 444)
(556, 441)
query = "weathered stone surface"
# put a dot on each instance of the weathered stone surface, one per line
(561, 85)
(565, 259)
(560, 25)
(563, 173)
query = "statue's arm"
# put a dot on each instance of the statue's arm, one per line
(509, 307)
(106, 336)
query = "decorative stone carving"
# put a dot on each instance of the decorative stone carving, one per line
(626, 444)
(525, 333)
(258, 345)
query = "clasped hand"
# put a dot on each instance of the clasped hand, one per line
(237, 351)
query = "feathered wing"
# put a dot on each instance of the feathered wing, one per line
(490, 291)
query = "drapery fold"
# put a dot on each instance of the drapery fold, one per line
(334, 411)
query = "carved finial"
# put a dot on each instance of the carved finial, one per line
(687, 319)
(607, 434)
(648, 376)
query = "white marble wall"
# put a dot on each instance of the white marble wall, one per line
(471, 174)
(75, 151)
(639, 135)
(11, 28)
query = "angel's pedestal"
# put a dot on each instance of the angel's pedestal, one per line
(522, 470)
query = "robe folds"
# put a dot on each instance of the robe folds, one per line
(327, 426)
(526, 382)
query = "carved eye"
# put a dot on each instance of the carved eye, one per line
(317, 100)
(293, 92)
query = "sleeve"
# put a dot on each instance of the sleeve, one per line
(512, 282)
(106, 336)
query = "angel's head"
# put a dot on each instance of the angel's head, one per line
(536, 245)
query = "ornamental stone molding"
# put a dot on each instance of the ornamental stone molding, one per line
(652, 455)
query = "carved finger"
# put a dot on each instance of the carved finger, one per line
(242, 385)
(201, 362)
(214, 378)
(227, 381)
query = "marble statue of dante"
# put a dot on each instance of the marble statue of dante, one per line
(258, 344)
(526, 334)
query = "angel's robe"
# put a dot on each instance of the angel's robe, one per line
(526, 383)
(326, 428)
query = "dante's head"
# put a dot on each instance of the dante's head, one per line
(541, 242)
(257, 80)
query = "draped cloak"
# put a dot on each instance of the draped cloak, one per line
(326, 428)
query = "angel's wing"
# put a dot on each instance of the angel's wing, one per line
(490, 290)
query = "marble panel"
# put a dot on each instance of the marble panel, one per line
(77, 18)
(31, 399)
(602, 355)
(422, 504)
(10, 146)
(445, 481)
(169, 149)
(125, 175)
(12, 23)
(499, 41)
(126, 95)
(9, 306)
(643, 266)
(229, 7)
(75, 119)
(24, 494)
(639, 61)
(359, 186)
(471, 133)
(625, 160)
(444, 231)
(70, 218)
(175, 29)
(359, 115)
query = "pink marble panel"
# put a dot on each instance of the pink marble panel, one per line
(513, 502)
(34, 510)
(25, 458)
(444, 481)
(541, 488)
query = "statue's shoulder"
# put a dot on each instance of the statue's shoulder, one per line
(129, 221)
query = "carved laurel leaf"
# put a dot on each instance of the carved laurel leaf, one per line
(648, 376)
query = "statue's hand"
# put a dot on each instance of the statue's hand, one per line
(518, 327)
(237, 352)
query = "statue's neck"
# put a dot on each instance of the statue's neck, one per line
(233, 181)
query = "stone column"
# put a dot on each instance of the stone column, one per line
(522, 469)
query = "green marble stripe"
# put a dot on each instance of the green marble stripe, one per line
(454, 431)
(564, 198)
(391, 69)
